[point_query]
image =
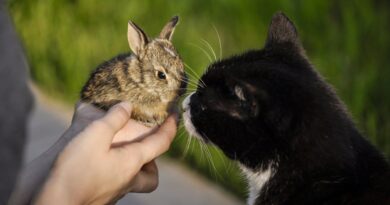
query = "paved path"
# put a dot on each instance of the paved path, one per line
(178, 185)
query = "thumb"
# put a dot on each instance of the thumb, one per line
(107, 126)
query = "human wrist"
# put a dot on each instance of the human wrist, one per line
(58, 190)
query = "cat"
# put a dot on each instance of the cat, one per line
(274, 114)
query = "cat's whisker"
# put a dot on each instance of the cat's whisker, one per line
(226, 163)
(191, 84)
(193, 141)
(187, 80)
(181, 128)
(207, 44)
(191, 76)
(190, 81)
(203, 50)
(188, 90)
(202, 152)
(201, 144)
(202, 84)
(190, 87)
(211, 158)
(178, 89)
(211, 162)
(220, 157)
(180, 136)
(192, 70)
(187, 147)
(219, 40)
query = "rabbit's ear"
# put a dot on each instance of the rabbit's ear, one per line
(169, 28)
(281, 31)
(136, 37)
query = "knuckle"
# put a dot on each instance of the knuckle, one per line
(166, 145)
(136, 154)
(99, 124)
(154, 184)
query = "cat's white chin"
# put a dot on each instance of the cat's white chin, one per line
(187, 118)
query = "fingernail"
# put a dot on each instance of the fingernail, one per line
(80, 105)
(126, 106)
(174, 109)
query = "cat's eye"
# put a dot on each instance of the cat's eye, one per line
(161, 75)
(238, 91)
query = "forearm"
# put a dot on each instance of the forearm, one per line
(55, 191)
(35, 173)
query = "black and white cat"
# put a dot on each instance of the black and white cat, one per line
(292, 136)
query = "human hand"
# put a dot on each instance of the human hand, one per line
(86, 113)
(110, 157)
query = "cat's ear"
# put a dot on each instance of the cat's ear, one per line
(282, 31)
(169, 29)
(136, 37)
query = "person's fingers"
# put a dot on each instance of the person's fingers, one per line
(112, 122)
(132, 131)
(157, 143)
(146, 179)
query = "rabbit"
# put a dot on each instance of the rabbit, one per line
(151, 78)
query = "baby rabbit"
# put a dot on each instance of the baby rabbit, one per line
(151, 78)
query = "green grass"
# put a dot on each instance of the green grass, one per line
(346, 40)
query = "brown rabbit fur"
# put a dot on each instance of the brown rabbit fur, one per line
(151, 78)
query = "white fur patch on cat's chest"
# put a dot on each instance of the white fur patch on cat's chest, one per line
(256, 181)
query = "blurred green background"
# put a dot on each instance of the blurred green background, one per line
(347, 41)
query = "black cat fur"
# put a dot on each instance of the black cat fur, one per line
(269, 108)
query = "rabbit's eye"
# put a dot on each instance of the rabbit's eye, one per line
(161, 75)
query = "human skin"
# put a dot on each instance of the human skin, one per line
(108, 155)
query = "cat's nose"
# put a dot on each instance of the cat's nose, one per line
(195, 105)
